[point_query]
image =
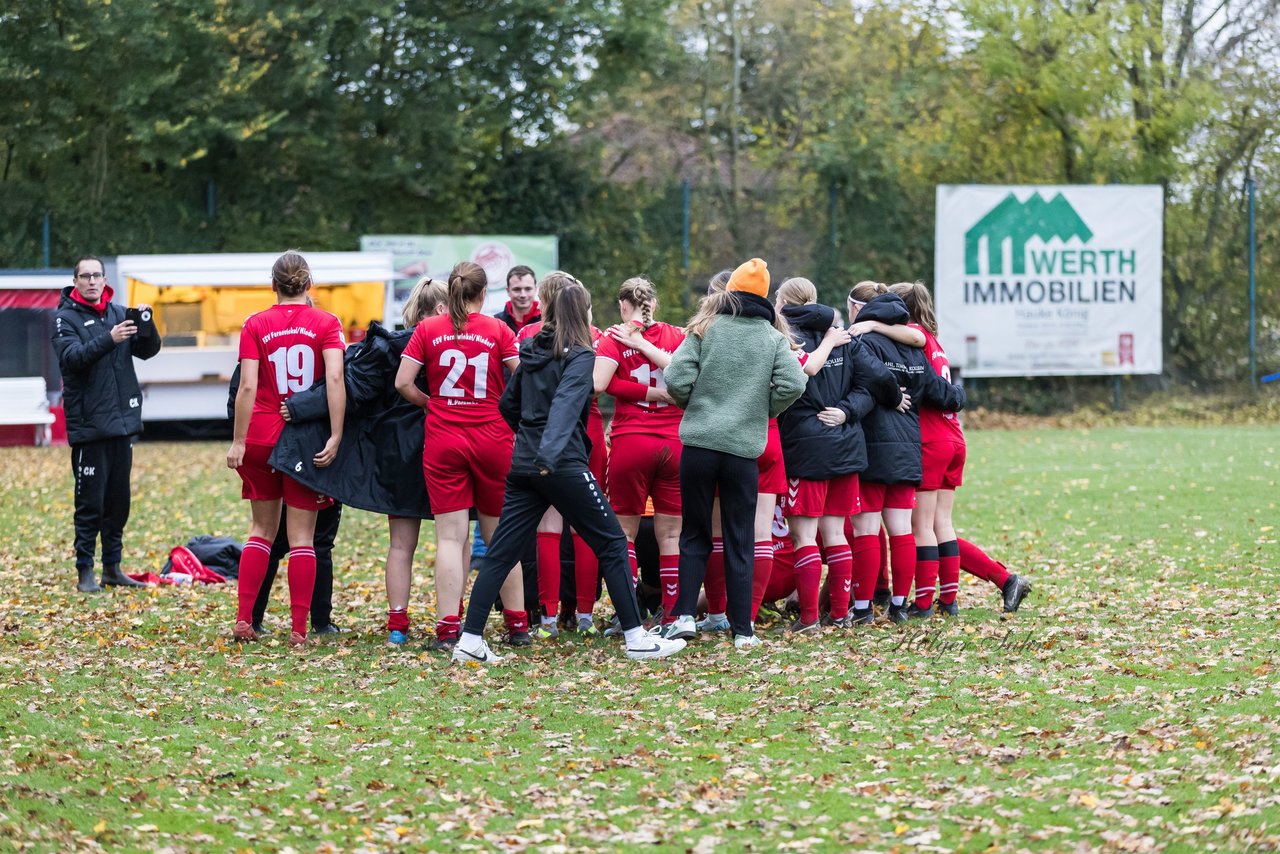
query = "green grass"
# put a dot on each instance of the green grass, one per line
(1130, 706)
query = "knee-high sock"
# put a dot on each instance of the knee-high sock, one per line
(975, 561)
(302, 582)
(717, 600)
(586, 573)
(808, 581)
(840, 578)
(761, 572)
(926, 575)
(635, 563)
(883, 581)
(549, 573)
(669, 574)
(866, 568)
(253, 569)
(902, 561)
(398, 620)
(948, 571)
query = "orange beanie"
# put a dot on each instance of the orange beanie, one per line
(752, 278)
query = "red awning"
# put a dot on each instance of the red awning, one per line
(28, 298)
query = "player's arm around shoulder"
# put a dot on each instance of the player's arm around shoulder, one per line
(682, 373)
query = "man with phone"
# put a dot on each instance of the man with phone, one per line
(96, 340)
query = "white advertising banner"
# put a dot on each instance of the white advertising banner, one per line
(1050, 280)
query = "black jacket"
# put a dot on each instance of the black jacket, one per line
(851, 380)
(506, 317)
(546, 403)
(100, 392)
(893, 438)
(379, 464)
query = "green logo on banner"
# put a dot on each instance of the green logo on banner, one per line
(1019, 222)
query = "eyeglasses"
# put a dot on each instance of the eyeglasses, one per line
(92, 277)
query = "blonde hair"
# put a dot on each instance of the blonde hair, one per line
(867, 291)
(425, 296)
(919, 303)
(718, 303)
(290, 275)
(797, 291)
(553, 283)
(719, 282)
(467, 284)
(641, 293)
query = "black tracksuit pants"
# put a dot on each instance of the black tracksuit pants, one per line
(101, 470)
(702, 473)
(327, 522)
(582, 504)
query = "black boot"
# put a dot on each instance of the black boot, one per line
(113, 577)
(1014, 591)
(87, 584)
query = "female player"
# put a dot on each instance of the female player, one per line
(733, 372)
(550, 529)
(943, 457)
(824, 449)
(547, 403)
(893, 450)
(293, 344)
(644, 455)
(467, 449)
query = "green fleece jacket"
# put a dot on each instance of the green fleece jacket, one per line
(731, 382)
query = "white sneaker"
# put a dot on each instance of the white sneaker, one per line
(481, 655)
(717, 623)
(746, 643)
(682, 629)
(653, 646)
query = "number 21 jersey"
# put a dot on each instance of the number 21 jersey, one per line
(288, 341)
(464, 371)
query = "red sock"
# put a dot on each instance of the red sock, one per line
(882, 582)
(302, 582)
(840, 579)
(448, 627)
(635, 564)
(253, 571)
(549, 573)
(808, 581)
(926, 575)
(760, 573)
(975, 561)
(717, 598)
(866, 566)
(586, 572)
(517, 621)
(669, 574)
(948, 571)
(902, 560)
(398, 620)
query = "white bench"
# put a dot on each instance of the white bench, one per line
(23, 401)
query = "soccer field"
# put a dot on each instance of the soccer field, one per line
(1130, 705)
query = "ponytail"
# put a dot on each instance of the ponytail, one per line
(641, 293)
(467, 284)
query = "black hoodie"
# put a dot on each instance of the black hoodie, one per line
(852, 380)
(546, 403)
(893, 437)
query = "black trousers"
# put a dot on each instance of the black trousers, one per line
(101, 470)
(702, 473)
(327, 522)
(582, 504)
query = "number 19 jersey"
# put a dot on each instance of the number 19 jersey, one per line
(464, 372)
(288, 341)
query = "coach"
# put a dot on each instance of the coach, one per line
(96, 342)
(522, 304)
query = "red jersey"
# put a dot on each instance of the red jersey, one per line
(641, 416)
(288, 341)
(936, 425)
(464, 372)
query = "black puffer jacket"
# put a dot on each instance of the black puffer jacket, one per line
(546, 403)
(893, 437)
(851, 380)
(101, 396)
(379, 463)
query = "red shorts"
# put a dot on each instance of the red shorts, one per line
(877, 497)
(641, 466)
(773, 473)
(263, 483)
(599, 462)
(836, 497)
(943, 465)
(468, 467)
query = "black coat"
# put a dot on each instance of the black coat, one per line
(546, 403)
(100, 391)
(379, 463)
(851, 380)
(893, 437)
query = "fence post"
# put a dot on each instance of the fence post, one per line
(1251, 188)
(44, 235)
(685, 198)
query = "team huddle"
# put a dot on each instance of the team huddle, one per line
(764, 439)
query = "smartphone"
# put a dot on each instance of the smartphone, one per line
(139, 316)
